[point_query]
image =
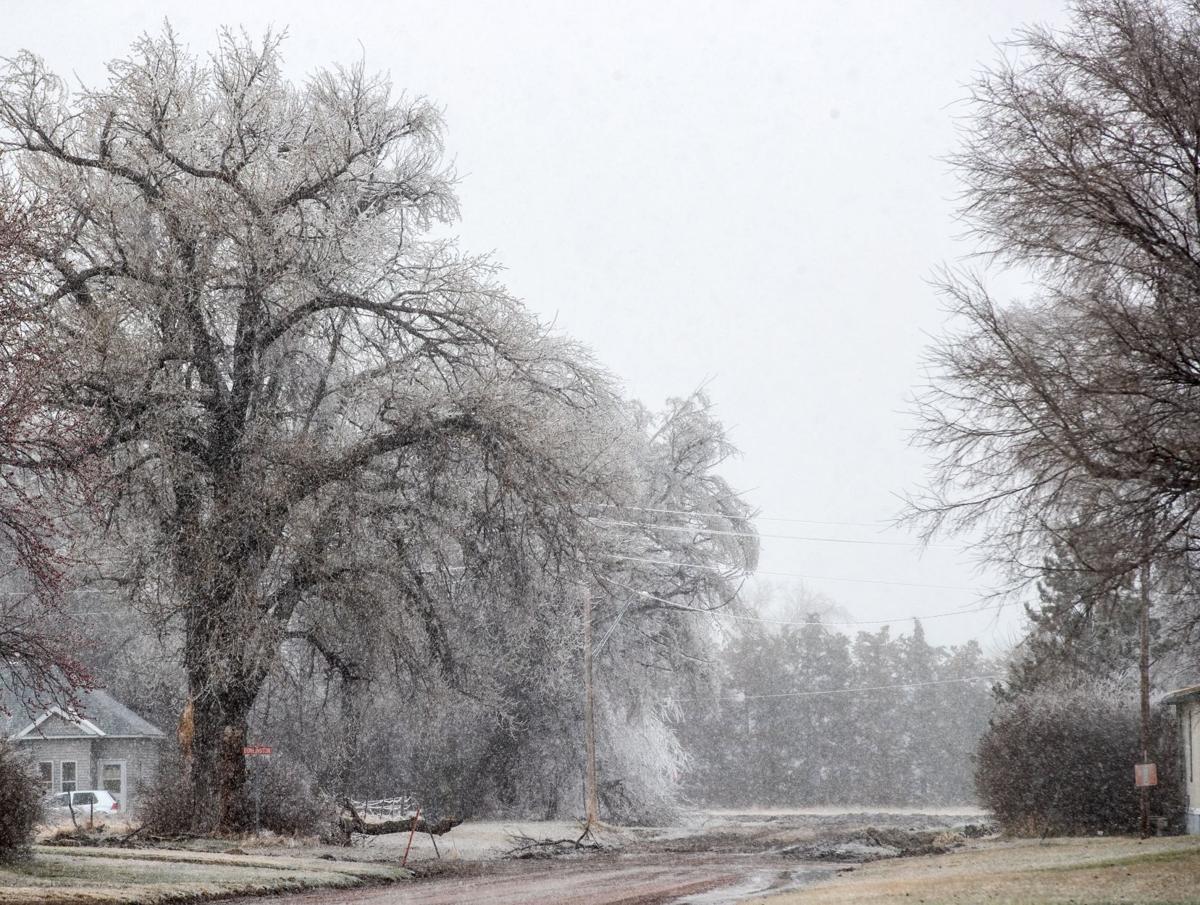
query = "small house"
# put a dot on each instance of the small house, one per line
(1187, 705)
(100, 745)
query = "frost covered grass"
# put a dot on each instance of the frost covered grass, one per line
(102, 876)
(1053, 872)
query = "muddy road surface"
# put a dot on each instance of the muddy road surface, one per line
(716, 858)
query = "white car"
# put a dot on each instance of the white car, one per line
(87, 803)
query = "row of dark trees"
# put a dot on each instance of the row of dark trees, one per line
(807, 715)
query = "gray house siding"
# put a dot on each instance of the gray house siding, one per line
(57, 750)
(55, 726)
(103, 732)
(140, 756)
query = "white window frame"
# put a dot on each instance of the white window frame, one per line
(46, 785)
(121, 797)
(62, 783)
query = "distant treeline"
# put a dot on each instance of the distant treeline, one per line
(792, 726)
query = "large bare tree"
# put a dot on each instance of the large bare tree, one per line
(290, 366)
(1074, 414)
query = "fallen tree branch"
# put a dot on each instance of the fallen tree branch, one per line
(354, 823)
(528, 847)
(125, 840)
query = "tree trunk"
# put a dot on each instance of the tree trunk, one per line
(234, 814)
(349, 747)
(218, 766)
(221, 693)
(227, 653)
(591, 799)
(1144, 672)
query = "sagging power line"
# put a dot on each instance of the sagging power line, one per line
(880, 581)
(719, 612)
(755, 535)
(827, 691)
(755, 518)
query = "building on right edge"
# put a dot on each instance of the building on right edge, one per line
(1187, 705)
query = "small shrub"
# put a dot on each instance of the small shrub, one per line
(20, 805)
(167, 804)
(1060, 761)
(284, 798)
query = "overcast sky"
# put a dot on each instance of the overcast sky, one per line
(744, 195)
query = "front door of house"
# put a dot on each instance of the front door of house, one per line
(112, 780)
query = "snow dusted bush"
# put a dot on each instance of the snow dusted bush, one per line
(167, 804)
(20, 805)
(1060, 761)
(286, 799)
(283, 798)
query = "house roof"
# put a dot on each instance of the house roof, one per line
(1183, 695)
(99, 715)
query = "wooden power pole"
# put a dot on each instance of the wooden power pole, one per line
(1144, 669)
(591, 800)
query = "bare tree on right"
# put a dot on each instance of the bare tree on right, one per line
(1070, 418)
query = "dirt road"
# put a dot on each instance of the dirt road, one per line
(606, 880)
(717, 858)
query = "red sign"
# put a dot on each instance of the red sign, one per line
(1145, 775)
(256, 751)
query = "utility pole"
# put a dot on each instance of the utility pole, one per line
(1144, 669)
(591, 802)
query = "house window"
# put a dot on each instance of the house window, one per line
(46, 776)
(110, 779)
(67, 769)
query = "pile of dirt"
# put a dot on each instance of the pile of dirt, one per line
(875, 844)
(980, 830)
(853, 837)
(713, 842)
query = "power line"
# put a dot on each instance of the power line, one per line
(755, 535)
(826, 691)
(980, 611)
(882, 581)
(756, 518)
(764, 620)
